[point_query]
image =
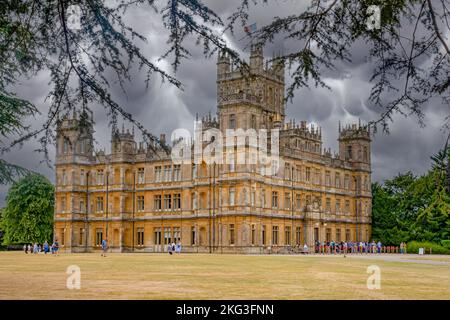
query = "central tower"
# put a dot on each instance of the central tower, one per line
(250, 97)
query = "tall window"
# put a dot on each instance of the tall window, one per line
(349, 153)
(347, 235)
(347, 206)
(328, 205)
(287, 171)
(263, 235)
(194, 171)
(298, 201)
(274, 168)
(193, 236)
(230, 161)
(253, 122)
(81, 238)
(140, 203)
(252, 197)
(140, 236)
(287, 200)
(253, 234)
(167, 202)
(338, 180)
(317, 177)
(328, 235)
(365, 155)
(232, 196)
(82, 178)
(157, 234)
(99, 204)
(63, 204)
(66, 146)
(100, 177)
(63, 236)
(308, 174)
(298, 235)
(177, 172)
(347, 182)
(82, 206)
(157, 202)
(177, 234)
(328, 179)
(194, 201)
(141, 176)
(167, 173)
(158, 174)
(263, 198)
(98, 237)
(287, 235)
(232, 124)
(177, 201)
(232, 234)
(338, 206)
(64, 177)
(167, 236)
(275, 235)
(338, 235)
(274, 199)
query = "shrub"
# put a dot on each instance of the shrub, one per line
(446, 244)
(413, 247)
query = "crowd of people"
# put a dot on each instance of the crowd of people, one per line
(38, 248)
(346, 247)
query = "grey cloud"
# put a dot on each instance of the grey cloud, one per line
(163, 108)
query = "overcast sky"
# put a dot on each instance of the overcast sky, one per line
(163, 108)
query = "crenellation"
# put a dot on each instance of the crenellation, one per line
(308, 194)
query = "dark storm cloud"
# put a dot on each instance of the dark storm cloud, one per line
(163, 108)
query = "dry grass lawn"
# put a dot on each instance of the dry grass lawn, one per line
(202, 276)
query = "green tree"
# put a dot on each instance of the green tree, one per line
(410, 208)
(387, 226)
(28, 215)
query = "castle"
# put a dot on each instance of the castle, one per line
(140, 200)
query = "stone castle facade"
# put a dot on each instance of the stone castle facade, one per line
(140, 200)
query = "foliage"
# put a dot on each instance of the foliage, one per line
(28, 215)
(35, 36)
(446, 244)
(413, 247)
(410, 208)
(328, 30)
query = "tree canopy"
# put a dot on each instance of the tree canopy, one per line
(411, 208)
(28, 215)
(36, 36)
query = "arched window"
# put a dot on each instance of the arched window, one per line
(365, 155)
(66, 146)
(349, 153)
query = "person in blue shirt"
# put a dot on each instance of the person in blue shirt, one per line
(104, 247)
(56, 247)
(45, 247)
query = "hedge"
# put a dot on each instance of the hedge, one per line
(413, 247)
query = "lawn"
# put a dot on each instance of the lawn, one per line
(203, 276)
